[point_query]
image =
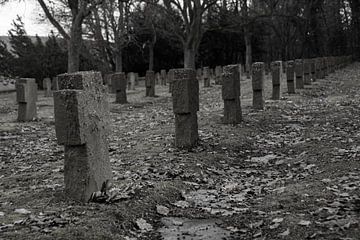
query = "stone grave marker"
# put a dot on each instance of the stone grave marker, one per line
(81, 115)
(231, 94)
(299, 73)
(313, 69)
(119, 84)
(276, 72)
(206, 76)
(307, 71)
(185, 106)
(290, 75)
(163, 77)
(132, 80)
(150, 83)
(258, 75)
(26, 97)
(47, 87)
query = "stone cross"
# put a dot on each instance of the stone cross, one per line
(258, 75)
(307, 71)
(26, 97)
(163, 77)
(185, 107)
(276, 73)
(299, 73)
(218, 75)
(47, 87)
(119, 84)
(81, 114)
(150, 83)
(206, 76)
(231, 94)
(290, 74)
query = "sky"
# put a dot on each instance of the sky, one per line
(29, 11)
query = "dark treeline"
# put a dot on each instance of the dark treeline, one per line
(138, 35)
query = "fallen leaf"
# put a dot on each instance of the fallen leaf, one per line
(143, 225)
(304, 223)
(22, 211)
(162, 210)
(284, 234)
(278, 220)
(181, 204)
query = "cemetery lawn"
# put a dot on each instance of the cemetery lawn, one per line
(291, 171)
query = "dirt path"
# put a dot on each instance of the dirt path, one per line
(291, 171)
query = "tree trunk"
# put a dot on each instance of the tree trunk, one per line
(248, 54)
(118, 61)
(189, 58)
(74, 45)
(151, 57)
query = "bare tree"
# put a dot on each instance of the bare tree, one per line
(79, 10)
(185, 20)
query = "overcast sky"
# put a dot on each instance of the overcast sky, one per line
(29, 11)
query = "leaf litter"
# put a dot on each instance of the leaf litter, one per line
(288, 171)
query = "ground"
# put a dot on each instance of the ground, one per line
(291, 171)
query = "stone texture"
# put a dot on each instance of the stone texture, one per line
(276, 73)
(307, 72)
(258, 75)
(206, 76)
(119, 84)
(26, 97)
(150, 83)
(81, 113)
(299, 73)
(47, 87)
(185, 91)
(290, 73)
(185, 106)
(231, 94)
